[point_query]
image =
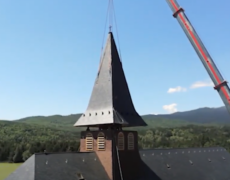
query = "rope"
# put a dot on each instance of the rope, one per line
(118, 159)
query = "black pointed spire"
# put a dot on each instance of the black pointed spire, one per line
(110, 101)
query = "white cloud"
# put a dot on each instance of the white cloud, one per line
(171, 108)
(176, 89)
(154, 113)
(200, 84)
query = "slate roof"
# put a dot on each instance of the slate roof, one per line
(110, 101)
(59, 166)
(189, 164)
(24, 172)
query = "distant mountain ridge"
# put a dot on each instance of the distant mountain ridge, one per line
(201, 115)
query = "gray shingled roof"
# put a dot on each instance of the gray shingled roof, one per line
(110, 101)
(61, 166)
(157, 164)
(189, 164)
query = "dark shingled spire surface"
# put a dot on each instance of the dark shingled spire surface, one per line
(110, 101)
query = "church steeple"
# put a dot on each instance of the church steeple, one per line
(110, 108)
(110, 102)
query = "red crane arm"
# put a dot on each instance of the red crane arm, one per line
(220, 84)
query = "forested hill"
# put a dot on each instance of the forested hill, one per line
(55, 121)
(67, 122)
(24, 137)
(20, 140)
(198, 116)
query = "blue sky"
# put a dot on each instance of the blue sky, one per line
(50, 50)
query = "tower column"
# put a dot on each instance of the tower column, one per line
(117, 150)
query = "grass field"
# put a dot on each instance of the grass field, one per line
(6, 169)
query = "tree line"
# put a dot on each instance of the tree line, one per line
(18, 141)
(184, 137)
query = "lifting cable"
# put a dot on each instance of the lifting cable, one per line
(107, 14)
(103, 38)
(110, 15)
(119, 50)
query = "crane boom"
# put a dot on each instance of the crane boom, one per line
(220, 84)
